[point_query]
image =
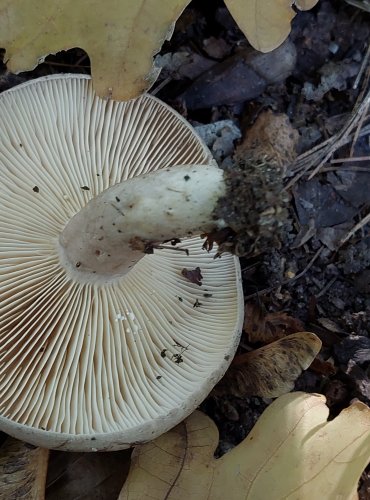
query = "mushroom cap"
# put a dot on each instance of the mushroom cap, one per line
(100, 366)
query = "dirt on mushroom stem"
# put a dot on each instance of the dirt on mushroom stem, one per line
(241, 209)
(254, 207)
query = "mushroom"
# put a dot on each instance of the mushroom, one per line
(106, 337)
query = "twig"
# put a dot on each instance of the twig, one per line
(160, 86)
(309, 265)
(352, 158)
(358, 129)
(326, 288)
(364, 5)
(290, 280)
(358, 226)
(342, 135)
(351, 168)
(304, 162)
(322, 152)
(65, 65)
(364, 63)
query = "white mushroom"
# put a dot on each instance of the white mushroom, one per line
(100, 347)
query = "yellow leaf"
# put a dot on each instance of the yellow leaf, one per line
(266, 23)
(181, 458)
(293, 452)
(120, 36)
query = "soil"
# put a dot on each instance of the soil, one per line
(316, 275)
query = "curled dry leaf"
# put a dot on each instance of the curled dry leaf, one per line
(268, 21)
(23, 471)
(271, 370)
(292, 452)
(267, 327)
(120, 36)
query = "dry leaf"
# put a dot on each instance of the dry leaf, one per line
(292, 453)
(330, 325)
(266, 23)
(267, 327)
(271, 135)
(120, 37)
(176, 465)
(84, 476)
(271, 370)
(323, 367)
(193, 275)
(22, 471)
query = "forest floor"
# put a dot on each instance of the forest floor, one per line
(319, 278)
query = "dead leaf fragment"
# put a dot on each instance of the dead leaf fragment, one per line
(23, 471)
(267, 327)
(292, 451)
(193, 275)
(323, 367)
(86, 476)
(271, 370)
(271, 135)
(120, 36)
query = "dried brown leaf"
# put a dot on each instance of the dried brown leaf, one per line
(271, 370)
(22, 471)
(330, 325)
(271, 135)
(267, 327)
(323, 367)
(84, 476)
(193, 275)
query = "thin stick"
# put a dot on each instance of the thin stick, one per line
(326, 287)
(350, 168)
(323, 151)
(342, 135)
(309, 265)
(362, 69)
(291, 280)
(352, 158)
(358, 226)
(358, 129)
(160, 86)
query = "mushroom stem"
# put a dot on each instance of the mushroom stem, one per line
(111, 233)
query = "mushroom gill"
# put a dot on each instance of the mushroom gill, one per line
(100, 363)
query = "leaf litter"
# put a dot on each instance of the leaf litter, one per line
(320, 276)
